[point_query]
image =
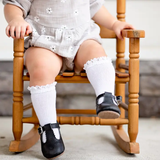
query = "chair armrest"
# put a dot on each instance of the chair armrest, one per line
(129, 33)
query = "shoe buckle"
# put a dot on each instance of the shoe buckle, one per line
(40, 130)
(119, 99)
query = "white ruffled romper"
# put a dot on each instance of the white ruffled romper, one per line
(60, 25)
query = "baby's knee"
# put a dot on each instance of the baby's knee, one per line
(41, 69)
(42, 63)
(96, 50)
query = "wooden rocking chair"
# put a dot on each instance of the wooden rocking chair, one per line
(124, 74)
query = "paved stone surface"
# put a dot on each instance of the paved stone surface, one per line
(88, 142)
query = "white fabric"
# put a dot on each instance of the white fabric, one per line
(60, 26)
(101, 74)
(44, 103)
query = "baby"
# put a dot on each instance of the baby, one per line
(63, 35)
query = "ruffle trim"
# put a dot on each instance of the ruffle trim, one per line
(42, 89)
(96, 61)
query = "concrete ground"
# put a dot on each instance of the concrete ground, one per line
(88, 142)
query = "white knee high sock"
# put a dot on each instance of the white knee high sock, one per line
(101, 74)
(44, 103)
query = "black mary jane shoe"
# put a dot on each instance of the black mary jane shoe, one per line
(53, 147)
(108, 109)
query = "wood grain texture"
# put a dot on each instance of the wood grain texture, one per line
(133, 33)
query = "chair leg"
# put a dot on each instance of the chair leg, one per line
(18, 89)
(17, 116)
(120, 90)
(128, 144)
(20, 144)
(133, 107)
(133, 115)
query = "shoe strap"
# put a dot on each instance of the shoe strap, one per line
(118, 99)
(101, 95)
(46, 127)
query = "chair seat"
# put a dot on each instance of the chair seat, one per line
(71, 77)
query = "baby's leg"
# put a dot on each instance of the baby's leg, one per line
(101, 74)
(88, 51)
(43, 66)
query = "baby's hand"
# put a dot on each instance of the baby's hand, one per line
(118, 26)
(18, 28)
